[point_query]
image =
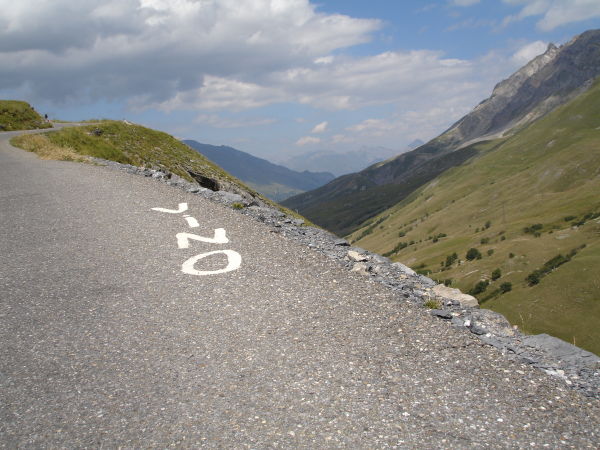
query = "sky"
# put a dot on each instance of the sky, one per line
(276, 78)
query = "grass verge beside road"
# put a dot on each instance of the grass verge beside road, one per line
(128, 143)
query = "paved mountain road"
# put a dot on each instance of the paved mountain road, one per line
(104, 341)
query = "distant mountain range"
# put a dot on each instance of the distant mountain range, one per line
(504, 205)
(272, 180)
(341, 163)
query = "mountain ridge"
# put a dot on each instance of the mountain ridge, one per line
(342, 163)
(549, 80)
(273, 180)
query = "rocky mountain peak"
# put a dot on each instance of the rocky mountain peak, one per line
(510, 86)
(545, 82)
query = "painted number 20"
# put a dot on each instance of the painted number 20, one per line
(234, 259)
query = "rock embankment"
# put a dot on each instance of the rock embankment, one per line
(578, 368)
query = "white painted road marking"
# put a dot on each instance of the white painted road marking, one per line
(183, 239)
(183, 207)
(234, 261)
(192, 222)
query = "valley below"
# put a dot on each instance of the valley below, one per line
(504, 205)
(529, 206)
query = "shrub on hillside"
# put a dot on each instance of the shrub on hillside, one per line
(534, 277)
(534, 229)
(396, 249)
(472, 254)
(450, 259)
(480, 287)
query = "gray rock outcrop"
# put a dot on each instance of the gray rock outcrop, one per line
(446, 294)
(547, 81)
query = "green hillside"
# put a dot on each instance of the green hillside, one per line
(520, 202)
(18, 115)
(129, 144)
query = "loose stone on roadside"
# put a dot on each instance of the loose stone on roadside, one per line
(355, 256)
(446, 294)
(361, 268)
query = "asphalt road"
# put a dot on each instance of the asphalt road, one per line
(105, 341)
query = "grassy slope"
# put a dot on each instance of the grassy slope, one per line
(344, 213)
(546, 172)
(132, 144)
(17, 115)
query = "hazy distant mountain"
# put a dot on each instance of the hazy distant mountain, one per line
(275, 181)
(340, 163)
(549, 80)
(414, 144)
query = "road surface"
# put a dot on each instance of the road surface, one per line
(111, 334)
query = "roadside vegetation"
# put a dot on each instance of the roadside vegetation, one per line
(18, 115)
(128, 143)
(45, 149)
(521, 225)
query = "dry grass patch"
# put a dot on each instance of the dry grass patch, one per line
(41, 145)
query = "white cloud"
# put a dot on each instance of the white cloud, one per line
(372, 126)
(308, 140)
(221, 55)
(324, 60)
(404, 127)
(319, 128)
(219, 93)
(340, 139)
(528, 52)
(555, 13)
(220, 122)
(154, 49)
(210, 56)
(344, 84)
